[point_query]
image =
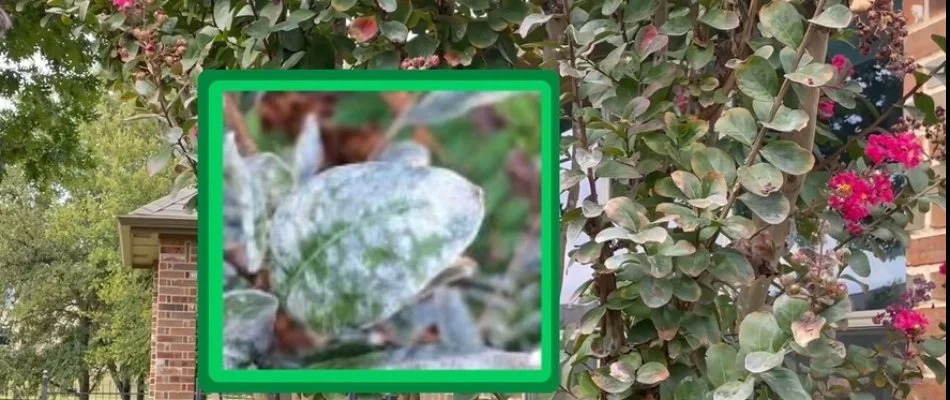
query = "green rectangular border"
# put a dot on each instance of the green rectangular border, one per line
(213, 378)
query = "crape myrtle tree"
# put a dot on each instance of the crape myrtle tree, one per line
(703, 115)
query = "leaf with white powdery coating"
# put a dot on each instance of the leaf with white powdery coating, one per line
(735, 390)
(757, 79)
(760, 361)
(761, 179)
(738, 124)
(248, 320)
(789, 157)
(720, 19)
(722, 364)
(786, 384)
(787, 120)
(813, 75)
(772, 209)
(652, 373)
(732, 267)
(837, 16)
(783, 22)
(759, 331)
(438, 107)
(345, 255)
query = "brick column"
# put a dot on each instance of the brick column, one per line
(172, 374)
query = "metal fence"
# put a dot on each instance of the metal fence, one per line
(50, 390)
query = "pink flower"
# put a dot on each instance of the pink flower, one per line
(853, 195)
(826, 109)
(943, 268)
(122, 5)
(842, 65)
(909, 321)
(903, 148)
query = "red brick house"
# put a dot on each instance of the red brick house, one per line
(162, 236)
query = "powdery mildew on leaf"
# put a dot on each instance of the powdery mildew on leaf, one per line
(357, 242)
(248, 320)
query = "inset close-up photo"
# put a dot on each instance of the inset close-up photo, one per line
(382, 230)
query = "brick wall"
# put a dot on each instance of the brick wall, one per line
(172, 374)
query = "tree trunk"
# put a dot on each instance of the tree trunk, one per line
(140, 387)
(817, 47)
(85, 325)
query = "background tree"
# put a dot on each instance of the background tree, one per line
(47, 89)
(76, 311)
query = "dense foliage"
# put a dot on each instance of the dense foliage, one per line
(703, 113)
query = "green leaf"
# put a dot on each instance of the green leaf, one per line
(481, 35)
(394, 30)
(738, 124)
(610, 6)
(684, 217)
(813, 75)
(144, 88)
(158, 162)
(941, 42)
(475, 5)
(291, 61)
(677, 25)
(937, 367)
(782, 21)
(625, 368)
(732, 267)
(258, 29)
(625, 213)
(757, 79)
(693, 264)
(789, 157)
(530, 21)
(787, 120)
(690, 388)
(735, 390)
(648, 41)
(934, 347)
(590, 321)
(639, 10)
(785, 384)
(837, 16)
(686, 289)
(772, 209)
(222, 14)
(388, 5)
(788, 310)
(859, 263)
(759, 331)
(738, 227)
(722, 364)
(424, 46)
(248, 318)
(342, 5)
(608, 383)
(652, 373)
(925, 104)
(838, 311)
(761, 179)
(758, 362)
(720, 19)
(330, 234)
(656, 292)
(712, 159)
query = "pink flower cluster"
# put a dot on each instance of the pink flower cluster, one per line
(122, 5)
(903, 148)
(842, 65)
(902, 315)
(911, 322)
(853, 195)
